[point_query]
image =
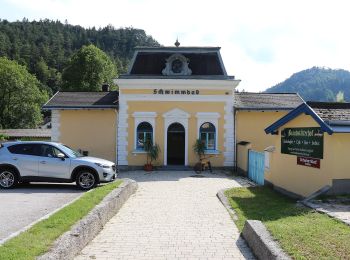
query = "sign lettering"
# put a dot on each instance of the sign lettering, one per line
(305, 142)
(175, 92)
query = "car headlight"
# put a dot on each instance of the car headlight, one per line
(103, 165)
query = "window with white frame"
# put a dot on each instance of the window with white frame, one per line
(144, 132)
(207, 133)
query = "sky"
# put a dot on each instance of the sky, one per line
(262, 42)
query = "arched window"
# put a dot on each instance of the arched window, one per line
(207, 134)
(144, 133)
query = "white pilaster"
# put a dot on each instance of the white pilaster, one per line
(122, 138)
(55, 126)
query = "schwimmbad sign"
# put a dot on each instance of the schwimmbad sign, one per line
(304, 141)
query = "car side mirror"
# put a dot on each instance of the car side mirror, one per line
(61, 156)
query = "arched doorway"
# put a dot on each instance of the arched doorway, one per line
(176, 144)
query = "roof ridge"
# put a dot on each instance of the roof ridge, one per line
(265, 93)
(329, 105)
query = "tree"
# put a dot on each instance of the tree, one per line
(340, 97)
(88, 69)
(48, 45)
(20, 95)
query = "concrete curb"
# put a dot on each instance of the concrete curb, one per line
(69, 244)
(221, 196)
(256, 235)
(261, 242)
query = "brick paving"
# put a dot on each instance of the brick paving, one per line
(171, 216)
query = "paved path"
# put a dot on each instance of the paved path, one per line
(25, 204)
(171, 216)
(339, 211)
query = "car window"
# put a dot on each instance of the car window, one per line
(26, 149)
(48, 151)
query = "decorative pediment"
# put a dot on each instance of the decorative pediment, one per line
(177, 65)
(176, 113)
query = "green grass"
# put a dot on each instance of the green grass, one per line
(38, 239)
(302, 232)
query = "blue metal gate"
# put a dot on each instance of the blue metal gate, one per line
(256, 167)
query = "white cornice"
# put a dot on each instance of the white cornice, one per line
(208, 115)
(176, 113)
(226, 84)
(144, 114)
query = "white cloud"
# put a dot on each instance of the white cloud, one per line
(263, 42)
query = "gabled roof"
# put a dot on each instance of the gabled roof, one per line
(332, 117)
(204, 63)
(266, 101)
(17, 133)
(81, 100)
(331, 111)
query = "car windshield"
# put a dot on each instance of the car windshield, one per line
(70, 152)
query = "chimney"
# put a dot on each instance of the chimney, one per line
(105, 87)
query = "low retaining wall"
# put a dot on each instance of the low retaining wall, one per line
(68, 245)
(261, 242)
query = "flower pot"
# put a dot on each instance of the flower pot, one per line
(148, 167)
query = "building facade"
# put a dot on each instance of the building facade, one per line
(311, 149)
(176, 96)
(170, 95)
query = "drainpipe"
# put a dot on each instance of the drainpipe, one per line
(116, 143)
(234, 140)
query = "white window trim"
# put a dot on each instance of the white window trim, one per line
(210, 117)
(175, 116)
(139, 117)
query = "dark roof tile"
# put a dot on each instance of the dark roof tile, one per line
(331, 111)
(40, 133)
(266, 101)
(202, 61)
(83, 100)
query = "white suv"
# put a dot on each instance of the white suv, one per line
(51, 162)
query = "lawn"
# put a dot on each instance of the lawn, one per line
(38, 239)
(302, 232)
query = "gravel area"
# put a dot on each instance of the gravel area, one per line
(27, 203)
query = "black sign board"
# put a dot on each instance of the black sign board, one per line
(304, 141)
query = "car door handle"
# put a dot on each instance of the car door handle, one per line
(43, 162)
(15, 158)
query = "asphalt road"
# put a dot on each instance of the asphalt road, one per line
(25, 204)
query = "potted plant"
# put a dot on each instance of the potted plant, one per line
(152, 154)
(199, 149)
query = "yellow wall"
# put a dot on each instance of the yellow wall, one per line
(161, 107)
(242, 157)
(302, 180)
(90, 130)
(250, 127)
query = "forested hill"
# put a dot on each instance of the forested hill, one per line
(316, 84)
(45, 46)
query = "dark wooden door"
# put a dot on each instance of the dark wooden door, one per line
(176, 144)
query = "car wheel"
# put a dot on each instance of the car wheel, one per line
(8, 178)
(86, 180)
